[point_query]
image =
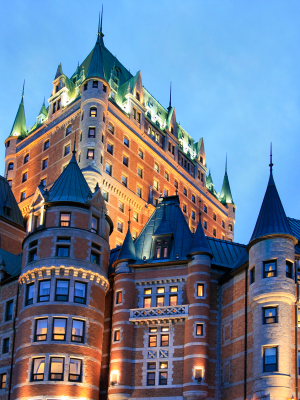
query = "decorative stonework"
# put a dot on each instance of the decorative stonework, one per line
(159, 313)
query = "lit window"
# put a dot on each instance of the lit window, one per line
(173, 300)
(26, 158)
(80, 293)
(270, 269)
(124, 180)
(119, 297)
(270, 315)
(90, 154)
(56, 369)
(68, 130)
(3, 380)
(75, 370)
(139, 191)
(62, 290)
(160, 301)
(77, 330)
(23, 195)
(29, 293)
(38, 369)
(199, 330)
(93, 112)
(65, 219)
(156, 167)
(125, 161)
(198, 374)
(41, 328)
(147, 302)
(117, 335)
(24, 176)
(45, 163)
(152, 340)
(59, 329)
(200, 290)
(270, 359)
(44, 291)
(164, 340)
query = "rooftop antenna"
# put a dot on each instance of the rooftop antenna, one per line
(199, 213)
(226, 165)
(170, 95)
(271, 164)
(129, 222)
(101, 19)
(176, 191)
(23, 90)
(74, 151)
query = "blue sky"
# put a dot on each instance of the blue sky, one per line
(234, 67)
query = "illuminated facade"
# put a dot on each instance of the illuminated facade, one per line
(173, 312)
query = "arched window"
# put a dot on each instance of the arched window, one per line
(68, 130)
(10, 166)
(93, 112)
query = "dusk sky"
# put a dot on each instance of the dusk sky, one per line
(234, 67)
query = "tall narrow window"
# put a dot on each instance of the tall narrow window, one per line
(152, 340)
(41, 329)
(62, 290)
(56, 369)
(252, 275)
(119, 297)
(289, 269)
(59, 329)
(124, 180)
(95, 224)
(80, 292)
(199, 330)
(139, 191)
(75, 370)
(111, 128)
(5, 348)
(93, 112)
(44, 291)
(270, 359)
(10, 166)
(26, 158)
(95, 84)
(9, 310)
(69, 130)
(29, 293)
(200, 290)
(3, 381)
(38, 369)
(92, 132)
(125, 161)
(270, 269)
(23, 195)
(77, 330)
(117, 335)
(65, 219)
(173, 300)
(270, 315)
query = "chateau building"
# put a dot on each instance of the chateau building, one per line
(171, 312)
(125, 140)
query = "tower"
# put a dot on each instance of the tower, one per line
(227, 200)
(63, 283)
(94, 104)
(196, 337)
(272, 297)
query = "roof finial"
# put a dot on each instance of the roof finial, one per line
(271, 164)
(101, 20)
(129, 222)
(199, 210)
(176, 191)
(170, 106)
(74, 151)
(23, 90)
(226, 165)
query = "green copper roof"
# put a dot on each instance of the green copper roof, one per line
(164, 227)
(209, 180)
(128, 250)
(199, 244)
(70, 186)
(127, 87)
(7, 200)
(19, 126)
(96, 68)
(226, 196)
(59, 72)
(43, 110)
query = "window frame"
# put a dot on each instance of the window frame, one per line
(77, 375)
(9, 317)
(201, 284)
(66, 296)
(265, 273)
(3, 380)
(78, 297)
(119, 297)
(36, 339)
(199, 324)
(59, 334)
(27, 299)
(39, 296)
(32, 369)
(63, 366)
(264, 360)
(266, 318)
(78, 336)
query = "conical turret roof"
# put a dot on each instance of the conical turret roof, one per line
(199, 243)
(70, 186)
(96, 68)
(128, 250)
(19, 126)
(164, 226)
(59, 71)
(43, 110)
(272, 218)
(209, 180)
(226, 196)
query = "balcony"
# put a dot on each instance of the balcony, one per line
(159, 314)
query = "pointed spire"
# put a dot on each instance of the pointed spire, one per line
(43, 110)
(199, 244)
(272, 219)
(209, 180)
(19, 126)
(59, 71)
(96, 68)
(170, 102)
(127, 252)
(100, 33)
(226, 196)
(164, 226)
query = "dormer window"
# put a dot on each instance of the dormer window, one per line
(95, 84)
(137, 95)
(161, 248)
(57, 88)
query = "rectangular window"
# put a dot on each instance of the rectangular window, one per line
(119, 297)
(44, 291)
(111, 128)
(45, 163)
(199, 329)
(117, 335)
(173, 300)
(59, 329)
(23, 195)
(156, 167)
(46, 145)
(125, 161)
(214, 216)
(164, 340)
(270, 315)
(124, 180)
(38, 369)
(56, 369)
(205, 224)
(92, 132)
(160, 290)
(289, 269)
(104, 88)
(150, 378)
(75, 370)
(148, 291)
(270, 359)
(93, 112)
(214, 232)
(270, 269)
(151, 365)
(41, 329)
(5, 348)
(141, 154)
(193, 215)
(135, 216)
(95, 258)
(90, 154)
(32, 256)
(163, 378)
(110, 148)
(200, 290)
(121, 206)
(9, 310)
(29, 294)
(95, 224)
(138, 117)
(62, 290)
(3, 380)
(108, 168)
(63, 251)
(77, 330)
(80, 293)
(24, 177)
(147, 302)
(155, 184)
(67, 150)
(167, 176)
(120, 226)
(85, 86)
(152, 341)
(139, 191)
(105, 195)
(95, 84)
(205, 208)
(140, 172)
(252, 275)
(160, 301)
(65, 219)
(134, 113)
(126, 141)
(184, 208)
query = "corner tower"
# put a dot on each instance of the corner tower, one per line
(63, 283)
(272, 298)
(94, 104)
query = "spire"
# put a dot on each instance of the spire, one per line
(59, 71)
(164, 226)
(19, 126)
(226, 196)
(170, 102)
(272, 218)
(209, 180)
(71, 185)
(96, 69)
(127, 252)
(199, 243)
(100, 33)
(43, 109)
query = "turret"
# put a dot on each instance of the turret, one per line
(227, 200)
(94, 104)
(18, 132)
(272, 298)
(43, 114)
(63, 283)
